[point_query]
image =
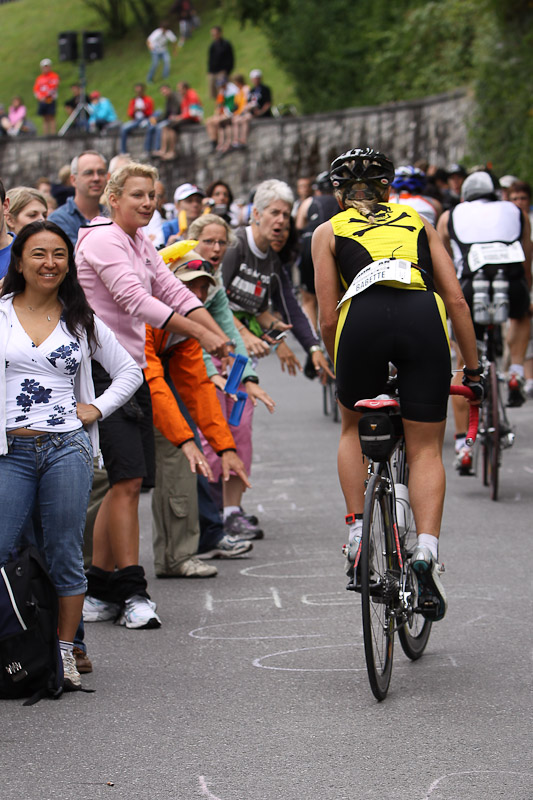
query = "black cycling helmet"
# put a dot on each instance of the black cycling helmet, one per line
(322, 182)
(361, 164)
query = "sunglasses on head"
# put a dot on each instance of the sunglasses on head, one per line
(198, 264)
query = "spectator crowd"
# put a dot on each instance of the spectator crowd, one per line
(237, 103)
(134, 317)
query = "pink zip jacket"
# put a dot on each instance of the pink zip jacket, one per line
(128, 284)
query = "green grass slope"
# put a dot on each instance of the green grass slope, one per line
(29, 33)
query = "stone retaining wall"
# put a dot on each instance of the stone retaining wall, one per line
(434, 128)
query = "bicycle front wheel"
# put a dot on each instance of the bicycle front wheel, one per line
(491, 434)
(377, 586)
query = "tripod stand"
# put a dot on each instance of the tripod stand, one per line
(82, 110)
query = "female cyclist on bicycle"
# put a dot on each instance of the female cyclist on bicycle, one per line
(395, 282)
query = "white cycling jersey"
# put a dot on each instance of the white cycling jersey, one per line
(479, 221)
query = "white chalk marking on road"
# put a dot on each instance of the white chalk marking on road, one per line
(275, 596)
(445, 662)
(210, 600)
(529, 469)
(476, 619)
(195, 633)
(205, 791)
(334, 601)
(260, 509)
(257, 662)
(436, 783)
(252, 572)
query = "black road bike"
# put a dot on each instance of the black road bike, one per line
(391, 600)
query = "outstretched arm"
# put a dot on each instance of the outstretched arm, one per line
(326, 284)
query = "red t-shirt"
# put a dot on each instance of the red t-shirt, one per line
(45, 87)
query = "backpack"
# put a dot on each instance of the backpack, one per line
(30, 660)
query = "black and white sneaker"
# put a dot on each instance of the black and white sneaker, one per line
(240, 527)
(227, 547)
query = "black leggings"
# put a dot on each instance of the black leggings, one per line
(402, 326)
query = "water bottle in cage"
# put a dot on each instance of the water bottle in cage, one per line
(481, 299)
(500, 297)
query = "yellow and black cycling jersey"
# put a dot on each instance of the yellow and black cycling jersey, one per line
(394, 232)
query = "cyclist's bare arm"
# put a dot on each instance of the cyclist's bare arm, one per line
(326, 283)
(442, 230)
(301, 214)
(449, 289)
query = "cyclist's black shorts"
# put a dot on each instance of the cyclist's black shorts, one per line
(407, 328)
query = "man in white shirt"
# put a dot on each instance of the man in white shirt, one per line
(157, 43)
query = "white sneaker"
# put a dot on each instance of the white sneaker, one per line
(431, 595)
(95, 610)
(227, 547)
(190, 568)
(72, 678)
(139, 612)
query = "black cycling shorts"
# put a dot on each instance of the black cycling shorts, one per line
(127, 435)
(402, 326)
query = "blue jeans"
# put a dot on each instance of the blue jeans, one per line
(164, 58)
(153, 136)
(55, 472)
(130, 126)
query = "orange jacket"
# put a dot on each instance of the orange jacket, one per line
(187, 371)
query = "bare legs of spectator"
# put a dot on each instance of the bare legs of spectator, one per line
(241, 127)
(49, 126)
(169, 138)
(211, 126)
(116, 528)
(224, 135)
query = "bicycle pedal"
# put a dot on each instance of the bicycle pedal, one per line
(352, 586)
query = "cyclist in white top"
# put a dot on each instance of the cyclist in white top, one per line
(479, 220)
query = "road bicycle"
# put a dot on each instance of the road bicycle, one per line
(495, 432)
(391, 600)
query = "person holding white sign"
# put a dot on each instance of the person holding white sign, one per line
(385, 264)
(485, 233)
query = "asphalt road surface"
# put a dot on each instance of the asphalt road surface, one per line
(255, 687)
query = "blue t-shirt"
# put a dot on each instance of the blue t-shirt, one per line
(5, 257)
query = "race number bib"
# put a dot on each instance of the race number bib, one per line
(494, 253)
(384, 270)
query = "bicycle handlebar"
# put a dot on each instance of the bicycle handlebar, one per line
(473, 412)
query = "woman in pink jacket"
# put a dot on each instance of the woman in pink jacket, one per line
(128, 285)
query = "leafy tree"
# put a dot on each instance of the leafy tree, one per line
(117, 13)
(344, 53)
(502, 129)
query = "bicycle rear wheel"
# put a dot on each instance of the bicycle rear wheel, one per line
(491, 435)
(414, 634)
(378, 586)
